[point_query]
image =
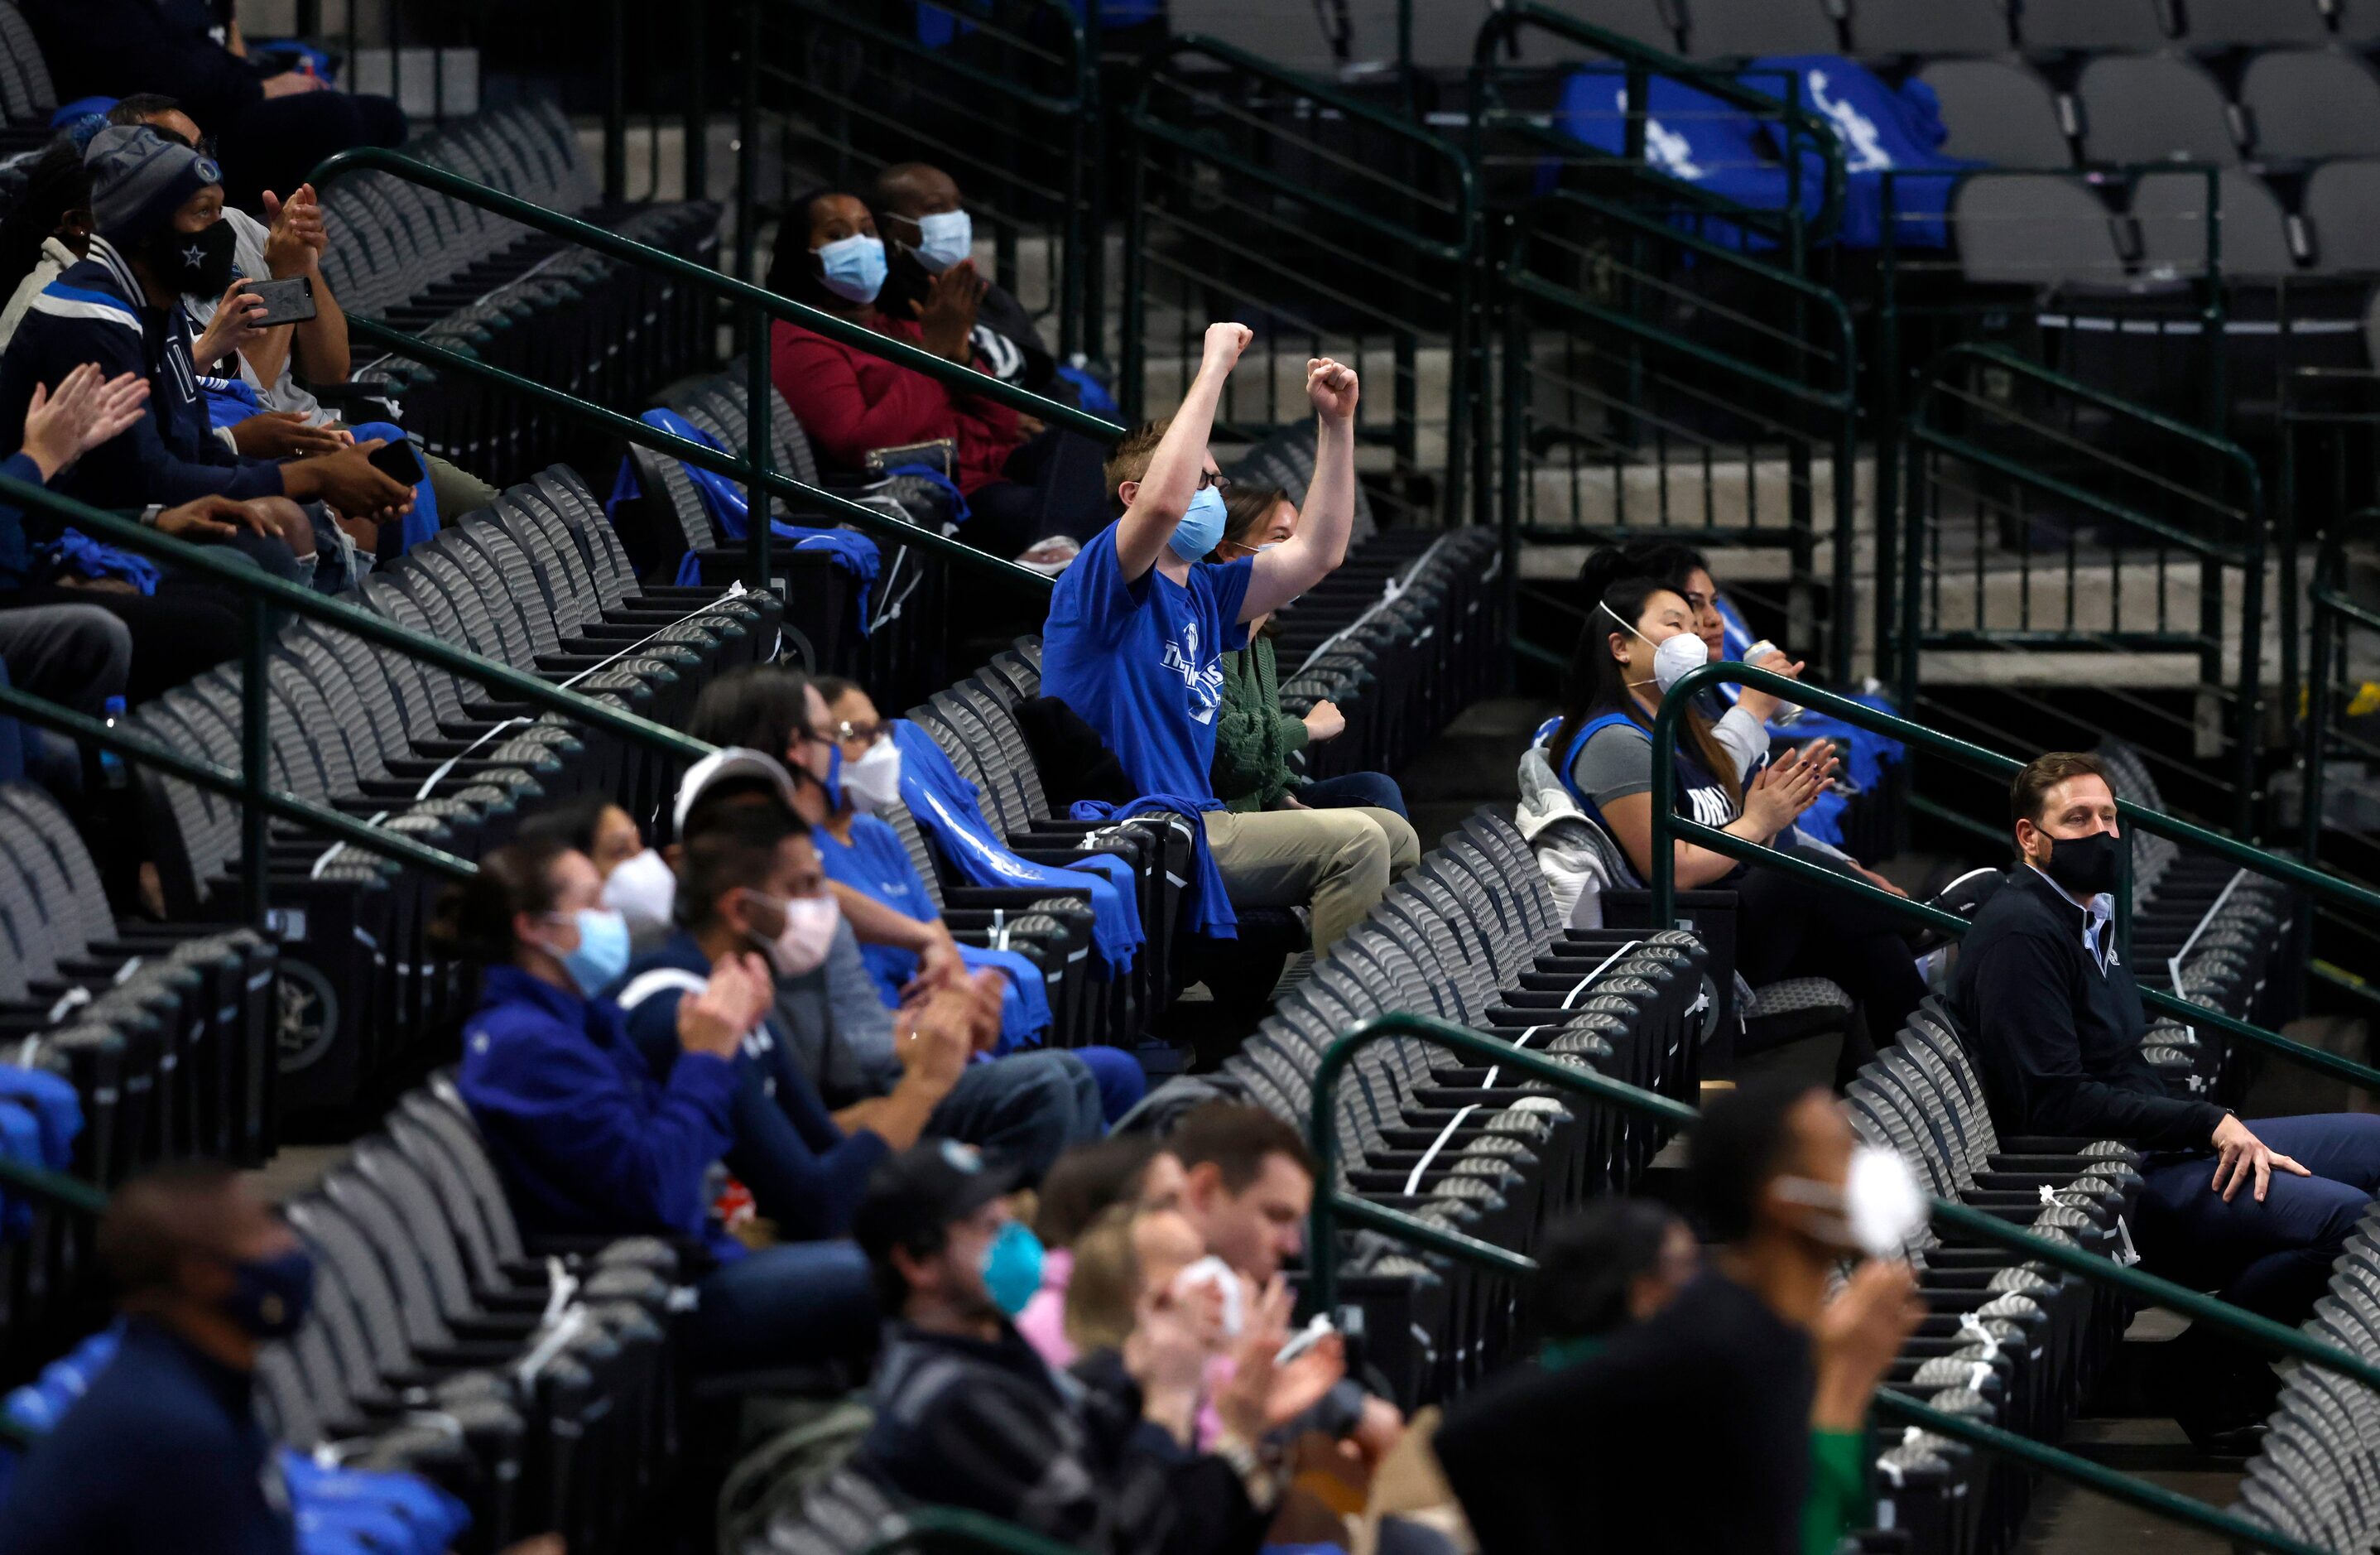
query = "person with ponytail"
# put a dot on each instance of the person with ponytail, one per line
(1640, 641)
(589, 1143)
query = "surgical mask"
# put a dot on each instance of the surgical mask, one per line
(853, 268)
(832, 781)
(194, 263)
(874, 780)
(270, 1297)
(1011, 1267)
(2086, 866)
(1876, 1212)
(602, 952)
(943, 239)
(1673, 658)
(1201, 526)
(802, 944)
(641, 890)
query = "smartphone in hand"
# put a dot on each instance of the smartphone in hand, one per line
(399, 461)
(285, 302)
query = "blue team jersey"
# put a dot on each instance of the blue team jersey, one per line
(1142, 663)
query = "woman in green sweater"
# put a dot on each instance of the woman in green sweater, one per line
(1254, 738)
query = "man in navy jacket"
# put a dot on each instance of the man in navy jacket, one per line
(157, 208)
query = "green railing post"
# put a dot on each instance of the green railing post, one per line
(255, 771)
(759, 448)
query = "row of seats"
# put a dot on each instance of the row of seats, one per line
(2123, 109)
(537, 582)
(531, 304)
(2316, 1478)
(168, 1033)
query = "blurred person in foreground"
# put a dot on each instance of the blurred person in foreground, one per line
(1751, 1366)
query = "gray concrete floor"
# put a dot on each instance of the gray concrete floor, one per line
(2067, 1521)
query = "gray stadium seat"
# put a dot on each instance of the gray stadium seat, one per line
(2342, 205)
(2357, 22)
(1750, 28)
(1657, 22)
(2154, 107)
(2094, 24)
(2035, 229)
(1999, 112)
(2170, 211)
(2253, 23)
(1930, 26)
(2312, 103)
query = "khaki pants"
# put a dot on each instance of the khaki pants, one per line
(1340, 862)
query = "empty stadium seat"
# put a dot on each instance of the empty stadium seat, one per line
(2084, 25)
(1999, 112)
(2254, 23)
(1750, 28)
(2342, 205)
(2170, 211)
(1928, 27)
(2035, 229)
(2312, 103)
(2154, 107)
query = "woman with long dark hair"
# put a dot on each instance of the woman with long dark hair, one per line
(1641, 641)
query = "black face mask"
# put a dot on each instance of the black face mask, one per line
(194, 263)
(2086, 866)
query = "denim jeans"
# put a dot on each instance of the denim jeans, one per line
(1027, 1108)
(1370, 791)
(2272, 1257)
(788, 1305)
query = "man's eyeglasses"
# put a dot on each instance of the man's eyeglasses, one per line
(1214, 479)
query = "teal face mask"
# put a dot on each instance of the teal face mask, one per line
(1011, 1267)
(1201, 527)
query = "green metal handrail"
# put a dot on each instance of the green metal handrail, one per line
(2328, 602)
(2247, 552)
(1668, 829)
(70, 1193)
(1332, 1206)
(1641, 61)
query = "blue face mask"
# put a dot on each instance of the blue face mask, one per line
(833, 783)
(943, 239)
(1201, 527)
(853, 268)
(602, 952)
(1011, 1267)
(270, 1297)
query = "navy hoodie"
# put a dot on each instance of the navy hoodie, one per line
(97, 312)
(805, 1172)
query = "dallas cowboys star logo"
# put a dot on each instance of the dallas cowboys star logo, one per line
(194, 255)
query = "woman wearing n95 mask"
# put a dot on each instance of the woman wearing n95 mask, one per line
(1639, 641)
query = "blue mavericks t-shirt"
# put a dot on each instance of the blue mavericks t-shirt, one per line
(877, 866)
(1142, 661)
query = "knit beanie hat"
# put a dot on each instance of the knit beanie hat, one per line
(139, 179)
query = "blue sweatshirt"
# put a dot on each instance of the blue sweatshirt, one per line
(97, 312)
(163, 1453)
(15, 550)
(805, 1172)
(590, 1138)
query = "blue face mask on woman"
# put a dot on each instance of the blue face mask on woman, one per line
(853, 268)
(1011, 1267)
(1201, 527)
(602, 952)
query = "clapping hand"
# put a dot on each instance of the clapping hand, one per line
(85, 411)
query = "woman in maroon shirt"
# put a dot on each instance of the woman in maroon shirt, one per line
(1020, 484)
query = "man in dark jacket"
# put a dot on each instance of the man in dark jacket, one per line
(157, 209)
(2057, 1023)
(275, 124)
(165, 1451)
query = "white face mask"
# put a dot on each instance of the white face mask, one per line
(1673, 658)
(802, 944)
(1876, 1212)
(643, 890)
(873, 783)
(943, 239)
